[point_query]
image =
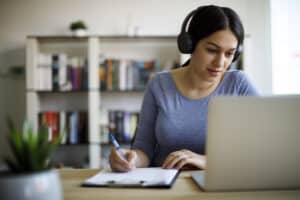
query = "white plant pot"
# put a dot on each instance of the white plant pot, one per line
(37, 186)
(79, 33)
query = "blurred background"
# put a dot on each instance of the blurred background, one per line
(272, 46)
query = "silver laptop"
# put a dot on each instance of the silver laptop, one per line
(252, 143)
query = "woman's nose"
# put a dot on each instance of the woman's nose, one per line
(219, 60)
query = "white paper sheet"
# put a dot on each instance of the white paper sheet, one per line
(136, 177)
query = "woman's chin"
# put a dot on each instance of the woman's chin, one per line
(214, 79)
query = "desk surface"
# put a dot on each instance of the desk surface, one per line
(183, 188)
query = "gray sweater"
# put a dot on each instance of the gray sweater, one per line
(170, 121)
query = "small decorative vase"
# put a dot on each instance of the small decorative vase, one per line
(79, 33)
(44, 185)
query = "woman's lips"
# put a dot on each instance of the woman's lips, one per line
(213, 72)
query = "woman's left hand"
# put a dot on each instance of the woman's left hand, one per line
(179, 159)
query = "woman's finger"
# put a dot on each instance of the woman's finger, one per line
(119, 168)
(174, 161)
(170, 157)
(131, 158)
(116, 159)
(168, 160)
(182, 163)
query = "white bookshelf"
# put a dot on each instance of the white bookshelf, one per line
(96, 103)
(88, 100)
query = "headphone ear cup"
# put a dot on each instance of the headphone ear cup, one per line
(185, 43)
(237, 54)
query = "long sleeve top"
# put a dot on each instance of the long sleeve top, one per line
(170, 121)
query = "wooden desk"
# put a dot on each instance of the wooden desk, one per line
(183, 188)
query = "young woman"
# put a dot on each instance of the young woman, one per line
(172, 128)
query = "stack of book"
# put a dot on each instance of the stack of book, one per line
(73, 125)
(120, 74)
(58, 72)
(122, 124)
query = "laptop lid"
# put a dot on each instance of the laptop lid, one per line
(253, 143)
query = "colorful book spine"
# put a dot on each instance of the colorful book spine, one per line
(72, 124)
(122, 124)
(121, 74)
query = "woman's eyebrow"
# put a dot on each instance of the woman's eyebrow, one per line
(214, 44)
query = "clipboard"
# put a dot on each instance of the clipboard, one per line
(153, 177)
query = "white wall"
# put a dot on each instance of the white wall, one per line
(12, 104)
(258, 44)
(285, 46)
(19, 18)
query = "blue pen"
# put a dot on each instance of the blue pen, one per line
(113, 140)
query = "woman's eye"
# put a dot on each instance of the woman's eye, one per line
(228, 54)
(212, 50)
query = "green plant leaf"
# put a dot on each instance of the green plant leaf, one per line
(77, 25)
(43, 143)
(42, 136)
(27, 129)
(31, 150)
(16, 145)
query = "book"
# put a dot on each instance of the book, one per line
(74, 118)
(55, 72)
(126, 74)
(63, 126)
(44, 72)
(139, 177)
(122, 124)
(83, 127)
(62, 72)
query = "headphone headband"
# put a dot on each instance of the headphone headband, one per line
(186, 20)
(184, 39)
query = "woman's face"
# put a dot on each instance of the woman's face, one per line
(213, 55)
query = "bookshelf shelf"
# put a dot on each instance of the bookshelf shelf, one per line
(121, 91)
(109, 144)
(80, 144)
(63, 77)
(109, 37)
(63, 92)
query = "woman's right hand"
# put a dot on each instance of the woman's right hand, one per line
(120, 164)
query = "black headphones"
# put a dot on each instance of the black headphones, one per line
(185, 42)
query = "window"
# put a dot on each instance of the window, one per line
(285, 31)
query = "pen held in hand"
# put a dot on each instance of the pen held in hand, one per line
(113, 140)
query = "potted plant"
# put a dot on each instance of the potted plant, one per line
(78, 28)
(29, 174)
